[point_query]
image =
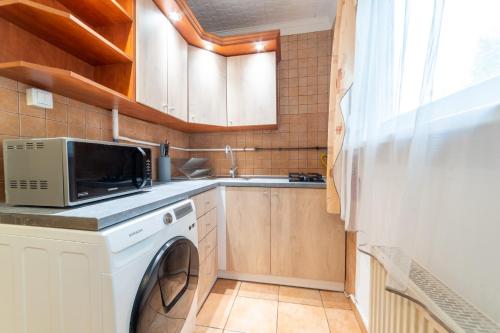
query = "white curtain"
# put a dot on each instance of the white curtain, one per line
(420, 166)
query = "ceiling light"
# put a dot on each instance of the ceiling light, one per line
(208, 46)
(259, 46)
(175, 16)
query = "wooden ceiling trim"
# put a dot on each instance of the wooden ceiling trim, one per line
(190, 28)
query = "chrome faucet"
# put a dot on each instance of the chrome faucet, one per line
(234, 168)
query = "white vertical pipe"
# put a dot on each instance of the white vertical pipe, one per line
(116, 131)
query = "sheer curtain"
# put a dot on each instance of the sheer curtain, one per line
(420, 166)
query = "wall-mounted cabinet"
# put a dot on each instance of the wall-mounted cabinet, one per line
(161, 62)
(177, 74)
(251, 90)
(207, 87)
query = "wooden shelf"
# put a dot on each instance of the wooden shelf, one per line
(63, 30)
(80, 88)
(98, 12)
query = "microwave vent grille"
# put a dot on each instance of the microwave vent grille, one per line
(29, 184)
(27, 146)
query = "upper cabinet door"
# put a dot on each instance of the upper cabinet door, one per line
(251, 89)
(177, 99)
(207, 87)
(151, 55)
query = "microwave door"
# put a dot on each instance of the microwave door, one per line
(98, 170)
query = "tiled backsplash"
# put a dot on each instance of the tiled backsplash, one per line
(71, 118)
(304, 77)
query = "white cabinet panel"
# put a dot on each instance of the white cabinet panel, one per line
(251, 89)
(177, 74)
(151, 55)
(207, 87)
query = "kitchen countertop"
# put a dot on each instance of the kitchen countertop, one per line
(102, 214)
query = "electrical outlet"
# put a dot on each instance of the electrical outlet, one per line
(39, 98)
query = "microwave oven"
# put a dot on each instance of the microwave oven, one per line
(60, 172)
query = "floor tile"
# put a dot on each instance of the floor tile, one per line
(300, 296)
(226, 287)
(333, 299)
(251, 315)
(215, 311)
(259, 290)
(299, 318)
(342, 321)
(203, 329)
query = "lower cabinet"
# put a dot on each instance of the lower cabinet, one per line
(248, 230)
(283, 233)
(206, 208)
(306, 241)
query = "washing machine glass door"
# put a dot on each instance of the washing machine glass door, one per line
(167, 290)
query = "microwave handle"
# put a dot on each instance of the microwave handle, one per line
(143, 171)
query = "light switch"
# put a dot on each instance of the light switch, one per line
(39, 98)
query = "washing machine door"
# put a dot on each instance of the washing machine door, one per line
(166, 293)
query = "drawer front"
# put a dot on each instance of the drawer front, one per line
(205, 201)
(206, 223)
(208, 274)
(207, 244)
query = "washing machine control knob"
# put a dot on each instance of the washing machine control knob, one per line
(168, 218)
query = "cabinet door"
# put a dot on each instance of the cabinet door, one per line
(251, 89)
(207, 87)
(177, 85)
(306, 241)
(248, 224)
(151, 55)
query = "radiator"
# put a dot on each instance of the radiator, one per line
(391, 313)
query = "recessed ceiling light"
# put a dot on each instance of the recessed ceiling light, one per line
(175, 16)
(259, 46)
(208, 46)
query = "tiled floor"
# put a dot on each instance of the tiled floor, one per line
(244, 307)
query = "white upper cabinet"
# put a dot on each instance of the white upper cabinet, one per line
(207, 87)
(151, 55)
(251, 90)
(177, 86)
(161, 62)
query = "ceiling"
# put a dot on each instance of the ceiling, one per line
(230, 17)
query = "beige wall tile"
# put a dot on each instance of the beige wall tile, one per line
(9, 124)
(33, 127)
(8, 100)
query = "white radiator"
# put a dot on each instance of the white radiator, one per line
(391, 313)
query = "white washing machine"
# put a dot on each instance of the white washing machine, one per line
(139, 276)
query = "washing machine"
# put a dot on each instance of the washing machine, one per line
(140, 276)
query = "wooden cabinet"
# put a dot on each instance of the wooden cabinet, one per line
(251, 89)
(282, 235)
(206, 214)
(248, 230)
(161, 62)
(306, 241)
(151, 55)
(207, 87)
(177, 74)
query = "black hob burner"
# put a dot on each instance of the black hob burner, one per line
(305, 177)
